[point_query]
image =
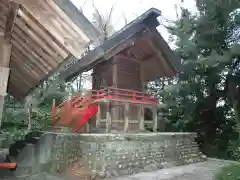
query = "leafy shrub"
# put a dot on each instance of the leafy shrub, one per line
(229, 173)
(234, 150)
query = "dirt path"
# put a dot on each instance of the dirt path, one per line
(203, 171)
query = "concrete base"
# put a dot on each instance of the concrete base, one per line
(110, 155)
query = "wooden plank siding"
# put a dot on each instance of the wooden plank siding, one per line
(42, 37)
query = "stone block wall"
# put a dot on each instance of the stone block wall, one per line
(107, 155)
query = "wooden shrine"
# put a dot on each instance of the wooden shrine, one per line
(123, 65)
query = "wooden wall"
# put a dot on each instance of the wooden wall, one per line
(128, 74)
(119, 72)
(124, 73)
(102, 75)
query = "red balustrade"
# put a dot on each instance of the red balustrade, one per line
(67, 110)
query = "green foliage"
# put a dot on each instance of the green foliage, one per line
(205, 96)
(229, 173)
(17, 116)
(234, 150)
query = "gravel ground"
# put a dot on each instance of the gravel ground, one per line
(203, 171)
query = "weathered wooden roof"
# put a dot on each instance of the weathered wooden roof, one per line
(139, 39)
(44, 33)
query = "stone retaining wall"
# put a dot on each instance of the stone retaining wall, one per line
(108, 155)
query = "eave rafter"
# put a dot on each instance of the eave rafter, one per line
(13, 9)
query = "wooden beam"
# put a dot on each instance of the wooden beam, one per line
(98, 116)
(88, 127)
(115, 72)
(10, 20)
(155, 119)
(108, 118)
(25, 33)
(57, 26)
(165, 52)
(5, 54)
(115, 50)
(40, 32)
(128, 58)
(141, 118)
(126, 116)
(159, 55)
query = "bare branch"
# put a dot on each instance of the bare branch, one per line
(82, 6)
(136, 15)
(177, 15)
(125, 19)
(110, 14)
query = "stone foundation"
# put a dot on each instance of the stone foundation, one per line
(108, 155)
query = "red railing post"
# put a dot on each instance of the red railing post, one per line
(108, 92)
(134, 95)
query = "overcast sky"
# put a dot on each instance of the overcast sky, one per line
(133, 8)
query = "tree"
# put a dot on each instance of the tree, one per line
(206, 97)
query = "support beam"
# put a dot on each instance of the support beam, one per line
(128, 58)
(141, 118)
(126, 116)
(10, 20)
(98, 116)
(5, 53)
(155, 120)
(108, 118)
(115, 72)
(159, 55)
(87, 127)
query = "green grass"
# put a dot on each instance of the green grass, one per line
(229, 173)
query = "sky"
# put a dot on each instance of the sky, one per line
(131, 9)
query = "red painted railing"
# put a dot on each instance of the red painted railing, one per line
(112, 93)
(79, 102)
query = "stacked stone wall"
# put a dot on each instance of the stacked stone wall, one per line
(107, 155)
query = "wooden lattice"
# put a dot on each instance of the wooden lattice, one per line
(4, 73)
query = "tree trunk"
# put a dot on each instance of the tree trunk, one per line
(233, 96)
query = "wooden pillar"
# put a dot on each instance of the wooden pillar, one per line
(155, 120)
(141, 118)
(5, 53)
(98, 116)
(126, 116)
(115, 105)
(88, 127)
(115, 72)
(108, 118)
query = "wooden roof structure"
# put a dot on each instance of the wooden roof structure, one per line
(43, 33)
(140, 41)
